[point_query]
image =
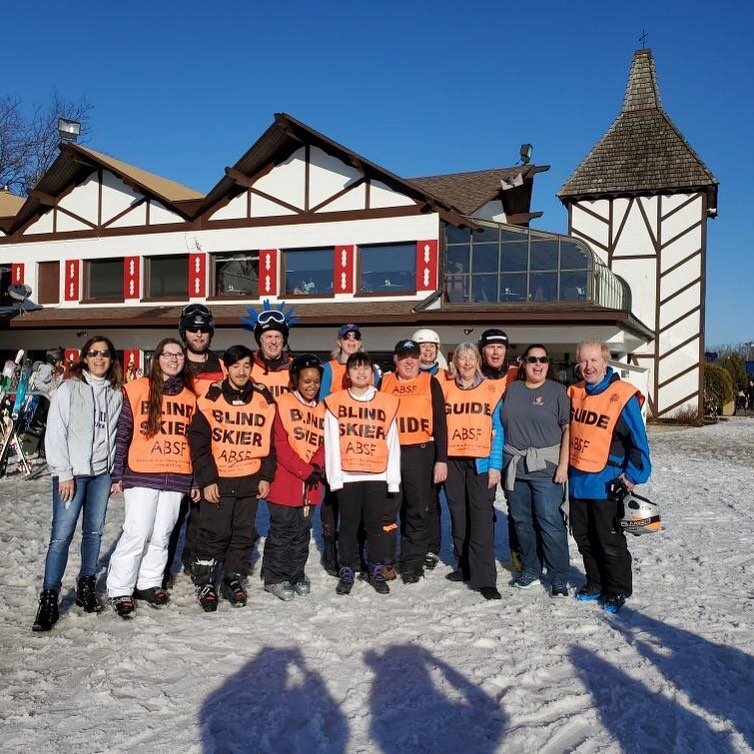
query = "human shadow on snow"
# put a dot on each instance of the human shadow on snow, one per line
(419, 703)
(639, 719)
(717, 678)
(275, 703)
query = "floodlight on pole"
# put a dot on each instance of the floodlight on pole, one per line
(68, 130)
(525, 153)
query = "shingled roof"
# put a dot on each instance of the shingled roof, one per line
(642, 151)
(9, 203)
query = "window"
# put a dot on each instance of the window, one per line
(167, 276)
(103, 279)
(309, 272)
(48, 277)
(236, 274)
(388, 269)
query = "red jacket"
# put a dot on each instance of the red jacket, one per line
(288, 488)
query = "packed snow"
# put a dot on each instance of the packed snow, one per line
(431, 667)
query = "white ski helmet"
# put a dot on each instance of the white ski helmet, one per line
(640, 516)
(426, 336)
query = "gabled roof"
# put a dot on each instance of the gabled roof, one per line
(10, 203)
(642, 151)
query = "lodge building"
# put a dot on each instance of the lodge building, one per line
(110, 248)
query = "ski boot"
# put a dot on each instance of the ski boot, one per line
(86, 595)
(232, 589)
(47, 613)
(155, 596)
(124, 606)
(204, 578)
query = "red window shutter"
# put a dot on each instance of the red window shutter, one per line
(343, 269)
(268, 273)
(71, 279)
(426, 265)
(131, 277)
(17, 273)
(197, 275)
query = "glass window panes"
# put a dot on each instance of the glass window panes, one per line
(168, 276)
(543, 286)
(237, 274)
(574, 286)
(458, 259)
(544, 254)
(514, 257)
(484, 288)
(105, 278)
(309, 272)
(513, 287)
(572, 257)
(388, 268)
(507, 235)
(484, 257)
(456, 235)
(485, 235)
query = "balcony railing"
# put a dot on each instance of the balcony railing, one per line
(505, 264)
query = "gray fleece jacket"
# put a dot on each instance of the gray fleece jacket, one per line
(81, 424)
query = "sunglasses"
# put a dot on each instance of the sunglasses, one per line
(198, 330)
(352, 335)
(93, 353)
(537, 359)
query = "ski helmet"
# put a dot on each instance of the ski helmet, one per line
(426, 336)
(305, 361)
(195, 315)
(640, 515)
(493, 335)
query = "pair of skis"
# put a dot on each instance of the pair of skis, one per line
(13, 413)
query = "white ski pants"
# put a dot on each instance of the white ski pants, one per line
(142, 552)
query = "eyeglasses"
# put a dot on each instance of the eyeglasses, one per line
(537, 359)
(195, 330)
(172, 356)
(92, 353)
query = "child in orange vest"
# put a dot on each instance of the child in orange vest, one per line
(362, 457)
(298, 437)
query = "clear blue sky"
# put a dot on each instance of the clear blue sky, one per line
(183, 89)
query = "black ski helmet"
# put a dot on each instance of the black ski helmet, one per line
(271, 320)
(195, 315)
(305, 361)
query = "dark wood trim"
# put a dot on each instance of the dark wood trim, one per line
(45, 199)
(634, 256)
(340, 193)
(658, 280)
(610, 230)
(99, 197)
(55, 221)
(275, 200)
(677, 375)
(592, 213)
(148, 215)
(678, 347)
(679, 291)
(588, 239)
(682, 233)
(123, 213)
(368, 195)
(680, 263)
(248, 204)
(622, 225)
(681, 206)
(307, 158)
(107, 300)
(652, 233)
(238, 177)
(678, 403)
(75, 217)
(665, 328)
(703, 299)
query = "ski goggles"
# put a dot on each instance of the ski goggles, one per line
(271, 315)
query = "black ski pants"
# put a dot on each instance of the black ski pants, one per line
(434, 521)
(226, 531)
(188, 513)
(362, 503)
(472, 522)
(286, 548)
(602, 544)
(412, 503)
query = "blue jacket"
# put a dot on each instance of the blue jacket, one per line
(495, 458)
(633, 462)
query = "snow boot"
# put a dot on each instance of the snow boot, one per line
(47, 613)
(588, 592)
(124, 606)
(302, 586)
(155, 596)
(430, 561)
(377, 578)
(208, 597)
(613, 603)
(329, 557)
(283, 590)
(489, 592)
(86, 595)
(345, 583)
(232, 589)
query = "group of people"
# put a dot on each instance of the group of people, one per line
(204, 437)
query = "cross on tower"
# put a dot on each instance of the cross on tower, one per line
(643, 39)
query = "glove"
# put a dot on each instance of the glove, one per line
(317, 475)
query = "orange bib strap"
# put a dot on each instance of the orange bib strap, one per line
(168, 451)
(304, 425)
(276, 382)
(415, 424)
(469, 417)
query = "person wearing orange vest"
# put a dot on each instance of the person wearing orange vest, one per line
(334, 378)
(153, 469)
(196, 326)
(298, 437)
(234, 463)
(423, 438)
(272, 362)
(363, 463)
(493, 348)
(608, 445)
(475, 457)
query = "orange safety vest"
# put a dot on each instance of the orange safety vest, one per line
(415, 424)
(469, 417)
(204, 381)
(168, 451)
(276, 382)
(304, 425)
(340, 379)
(363, 427)
(593, 420)
(240, 434)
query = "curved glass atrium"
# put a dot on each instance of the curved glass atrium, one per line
(505, 264)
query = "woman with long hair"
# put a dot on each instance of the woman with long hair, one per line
(536, 412)
(80, 451)
(475, 457)
(153, 468)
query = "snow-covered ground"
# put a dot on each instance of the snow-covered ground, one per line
(430, 668)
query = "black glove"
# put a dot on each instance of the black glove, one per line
(317, 476)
